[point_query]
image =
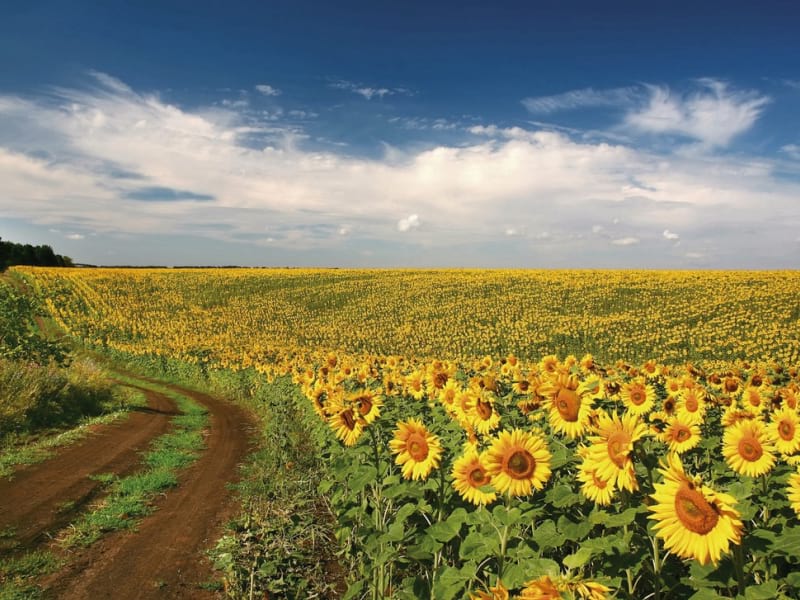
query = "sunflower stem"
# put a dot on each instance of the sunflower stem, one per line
(656, 569)
(738, 566)
(765, 491)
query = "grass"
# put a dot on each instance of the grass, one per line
(130, 498)
(28, 450)
(16, 574)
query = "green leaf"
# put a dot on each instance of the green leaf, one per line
(450, 583)
(477, 546)
(788, 542)
(624, 518)
(705, 594)
(516, 575)
(766, 591)
(546, 536)
(574, 531)
(444, 531)
(579, 558)
(507, 517)
(363, 475)
(562, 496)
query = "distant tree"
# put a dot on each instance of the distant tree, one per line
(26, 254)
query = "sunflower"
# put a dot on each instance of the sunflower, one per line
(595, 488)
(418, 451)
(482, 414)
(447, 395)
(471, 479)
(784, 430)
(347, 426)
(610, 449)
(638, 397)
(498, 592)
(543, 588)
(692, 404)
(794, 491)
(693, 520)
(415, 385)
(518, 461)
(746, 448)
(568, 408)
(367, 404)
(681, 435)
(754, 399)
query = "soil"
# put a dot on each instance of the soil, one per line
(165, 557)
(39, 500)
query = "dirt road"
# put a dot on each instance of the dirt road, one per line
(165, 556)
(41, 499)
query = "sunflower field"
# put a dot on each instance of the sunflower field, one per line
(510, 434)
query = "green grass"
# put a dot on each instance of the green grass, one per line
(17, 574)
(28, 450)
(131, 497)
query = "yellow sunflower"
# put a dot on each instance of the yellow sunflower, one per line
(543, 588)
(794, 492)
(471, 479)
(692, 404)
(346, 425)
(610, 449)
(568, 405)
(498, 592)
(518, 461)
(368, 404)
(693, 520)
(784, 430)
(754, 399)
(418, 451)
(746, 448)
(638, 397)
(482, 414)
(681, 435)
(595, 488)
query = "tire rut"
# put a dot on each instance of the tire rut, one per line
(40, 499)
(165, 558)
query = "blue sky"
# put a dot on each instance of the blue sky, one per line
(506, 134)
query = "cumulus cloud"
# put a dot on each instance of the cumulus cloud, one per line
(75, 236)
(408, 223)
(714, 115)
(583, 98)
(670, 235)
(268, 90)
(117, 161)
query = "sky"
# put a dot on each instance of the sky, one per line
(417, 134)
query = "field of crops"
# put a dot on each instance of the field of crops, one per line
(583, 434)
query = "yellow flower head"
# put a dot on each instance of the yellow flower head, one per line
(747, 449)
(693, 520)
(518, 461)
(418, 451)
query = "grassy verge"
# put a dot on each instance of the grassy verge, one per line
(282, 544)
(130, 498)
(27, 449)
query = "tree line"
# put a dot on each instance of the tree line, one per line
(12, 253)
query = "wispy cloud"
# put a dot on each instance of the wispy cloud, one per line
(714, 115)
(369, 91)
(268, 90)
(583, 98)
(671, 235)
(55, 154)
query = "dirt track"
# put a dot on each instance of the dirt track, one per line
(41, 499)
(165, 557)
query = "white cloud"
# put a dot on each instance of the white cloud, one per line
(75, 161)
(408, 223)
(791, 150)
(74, 236)
(670, 235)
(268, 90)
(714, 115)
(344, 230)
(370, 93)
(625, 241)
(584, 98)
